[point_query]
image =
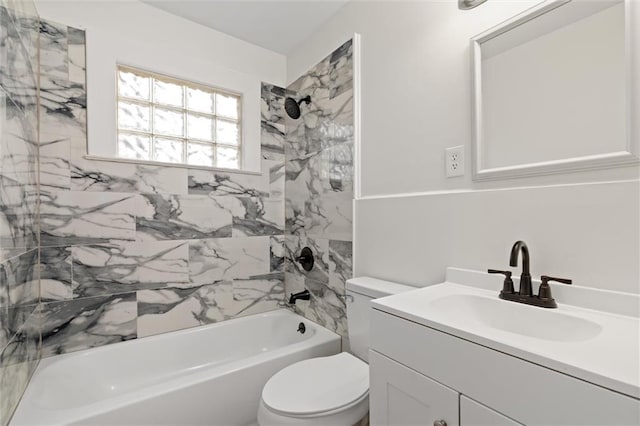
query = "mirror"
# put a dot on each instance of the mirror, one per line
(552, 90)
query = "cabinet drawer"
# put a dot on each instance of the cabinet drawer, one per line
(399, 396)
(521, 390)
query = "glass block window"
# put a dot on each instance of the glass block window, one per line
(173, 121)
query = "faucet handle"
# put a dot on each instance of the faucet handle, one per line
(544, 292)
(507, 286)
(545, 279)
(507, 274)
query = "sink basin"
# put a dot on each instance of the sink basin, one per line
(511, 317)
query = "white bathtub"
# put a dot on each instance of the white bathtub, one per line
(206, 375)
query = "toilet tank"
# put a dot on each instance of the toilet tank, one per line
(360, 292)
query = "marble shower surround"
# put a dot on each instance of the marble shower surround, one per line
(134, 250)
(319, 188)
(19, 292)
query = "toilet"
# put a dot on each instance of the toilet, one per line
(331, 390)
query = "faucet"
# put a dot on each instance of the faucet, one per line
(525, 277)
(303, 295)
(525, 293)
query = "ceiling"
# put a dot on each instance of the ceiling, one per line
(276, 25)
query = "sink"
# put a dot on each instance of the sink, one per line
(510, 317)
(577, 338)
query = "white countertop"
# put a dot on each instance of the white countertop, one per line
(606, 353)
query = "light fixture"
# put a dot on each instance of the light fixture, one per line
(469, 4)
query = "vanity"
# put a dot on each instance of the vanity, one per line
(456, 354)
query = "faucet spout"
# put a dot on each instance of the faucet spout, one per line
(525, 277)
(303, 295)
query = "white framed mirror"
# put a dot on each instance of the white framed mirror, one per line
(556, 89)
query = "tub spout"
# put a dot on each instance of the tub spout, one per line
(303, 295)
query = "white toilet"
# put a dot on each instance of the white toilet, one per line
(332, 390)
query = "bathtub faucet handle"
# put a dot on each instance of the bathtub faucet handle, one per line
(305, 259)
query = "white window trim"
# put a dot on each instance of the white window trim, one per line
(163, 164)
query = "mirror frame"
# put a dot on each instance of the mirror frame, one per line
(628, 157)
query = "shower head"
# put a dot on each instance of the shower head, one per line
(293, 107)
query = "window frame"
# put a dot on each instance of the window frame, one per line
(184, 111)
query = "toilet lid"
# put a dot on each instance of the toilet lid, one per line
(317, 385)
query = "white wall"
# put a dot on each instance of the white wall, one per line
(587, 232)
(136, 34)
(416, 102)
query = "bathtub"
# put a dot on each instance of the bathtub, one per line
(209, 375)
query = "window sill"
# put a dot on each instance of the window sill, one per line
(163, 164)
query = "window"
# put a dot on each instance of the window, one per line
(168, 120)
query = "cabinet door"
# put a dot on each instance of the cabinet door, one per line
(400, 396)
(475, 414)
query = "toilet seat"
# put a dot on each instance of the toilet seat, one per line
(318, 387)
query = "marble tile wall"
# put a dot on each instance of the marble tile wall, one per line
(319, 188)
(19, 291)
(135, 250)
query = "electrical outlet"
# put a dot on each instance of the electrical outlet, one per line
(454, 161)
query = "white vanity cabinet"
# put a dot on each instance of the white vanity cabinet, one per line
(474, 414)
(420, 376)
(400, 396)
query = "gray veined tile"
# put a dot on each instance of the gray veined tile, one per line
(18, 212)
(340, 264)
(55, 273)
(222, 259)
(272, 105)
(18, 172)
(326, 306)
(278, 253)
(337, 162)
(54, 60)
(20, 279)
(276, 170)
(54, 163)
(254, 216)
(19, 23)
(272, 121)
(332, 217)
(77, 56)
(170, 217)
(320, 249)
(78, 324)
(76, 217)
(125, 266)
(164, 310)
(18, 69)
(19, 292)
(340, 270)
(63, 108)
(259, 294)
(272, 140)
(18, 142)
(341, 69)
(89, 175)
(18, 361)
(319, 195)
(224, 184)
(76, 36)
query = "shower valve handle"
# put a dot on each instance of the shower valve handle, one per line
(306, 259)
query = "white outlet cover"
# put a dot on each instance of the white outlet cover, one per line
(454, 161)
